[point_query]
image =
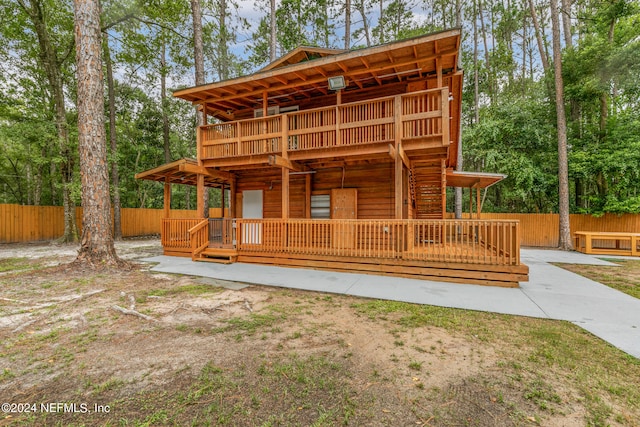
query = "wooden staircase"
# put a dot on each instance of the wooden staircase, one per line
(427, 185)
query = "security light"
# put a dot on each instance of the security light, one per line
(337, 83)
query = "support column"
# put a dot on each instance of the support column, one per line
(478, 205)
(398, 160)
(232, 198)
(200, 188)
(307, 196)
(167, 199)
(285, 171)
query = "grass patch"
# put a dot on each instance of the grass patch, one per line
(624, 277)
(17, 264)
(192, 289)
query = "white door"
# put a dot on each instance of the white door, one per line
(252, 209)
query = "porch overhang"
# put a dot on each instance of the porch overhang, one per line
(473, 179)
(186, 171)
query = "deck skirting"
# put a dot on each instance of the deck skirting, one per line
(476, 274)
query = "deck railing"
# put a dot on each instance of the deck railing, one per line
(175, 232)
(417, 114)
(462, 241)
(488, 242)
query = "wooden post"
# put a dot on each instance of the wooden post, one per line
(478, 207)
(222, 201)
(444, 107)
(439, 71)
(167, 199)
(232, 197)
(338, 124)
(285, 171)
(200, 195)
(307, 196)
(398, 159)
(265, 113)
(470, 202)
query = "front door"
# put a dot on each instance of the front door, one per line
(344, 205)
(252, 209)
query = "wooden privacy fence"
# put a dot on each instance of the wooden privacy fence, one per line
(35, 223)
(541, 230)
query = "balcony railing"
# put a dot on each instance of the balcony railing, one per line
(414, 116)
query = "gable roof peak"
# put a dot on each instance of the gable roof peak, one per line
(302, 54)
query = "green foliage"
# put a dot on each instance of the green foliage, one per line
(514, 133)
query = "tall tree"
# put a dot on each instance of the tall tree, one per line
(113, 142)
(198, 58)
(563, 164)
(53, 59)
(96, 246)
(273, 43)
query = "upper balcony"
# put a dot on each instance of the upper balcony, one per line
(419, 120)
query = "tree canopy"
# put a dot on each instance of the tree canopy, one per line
(509, 107)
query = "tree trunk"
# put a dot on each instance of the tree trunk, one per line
(566, 23)
(52, 68)
(272, 31)
(199, 76)
(487, 60)
(163, 102)
(115, 175)
(347, 24)
(458, 191)
(541, 46)
(97, 241)
(365, 24)
(563, 168)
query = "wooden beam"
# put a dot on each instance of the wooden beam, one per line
(275, 160)
(403, 156)
(322, 79)
(202, 170)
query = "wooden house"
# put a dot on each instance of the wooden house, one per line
(340, 160)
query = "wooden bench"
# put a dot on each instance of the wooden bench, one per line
(607, 243)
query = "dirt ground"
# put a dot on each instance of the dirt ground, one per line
(141, 348)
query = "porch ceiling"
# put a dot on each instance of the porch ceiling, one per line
(185, 171)
(286, 80)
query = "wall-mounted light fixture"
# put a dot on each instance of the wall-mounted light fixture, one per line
(336, 83)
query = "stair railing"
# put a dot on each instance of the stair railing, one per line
(199, 236)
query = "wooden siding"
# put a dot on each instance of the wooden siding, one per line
(374, 183)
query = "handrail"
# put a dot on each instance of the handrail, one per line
(456, 241)
(199, 236)
(420, 114)
(470, 241)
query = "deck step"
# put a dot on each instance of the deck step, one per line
(219, 255)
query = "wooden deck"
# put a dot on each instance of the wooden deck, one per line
(470, 251)
(358, 128)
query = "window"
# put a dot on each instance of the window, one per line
(321, 206)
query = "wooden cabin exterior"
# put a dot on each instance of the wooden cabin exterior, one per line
(340, 160)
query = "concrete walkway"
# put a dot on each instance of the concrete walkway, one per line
(551, 293)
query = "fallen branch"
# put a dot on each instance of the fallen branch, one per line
(132, 313)
(247, 305)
